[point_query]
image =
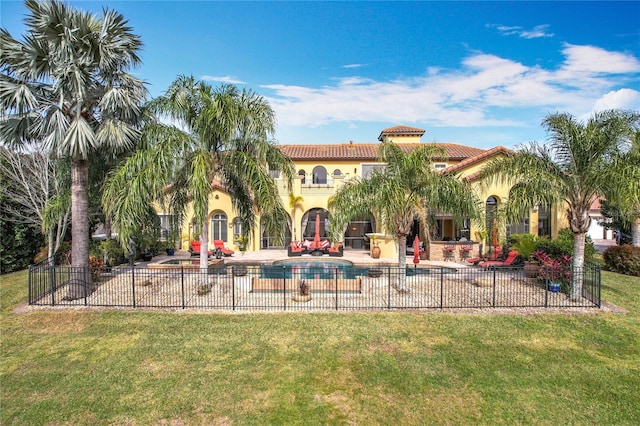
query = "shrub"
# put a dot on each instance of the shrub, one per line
(563, 245)
(624, 259)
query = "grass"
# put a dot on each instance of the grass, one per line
(123, 367)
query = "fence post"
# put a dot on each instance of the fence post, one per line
(441, 287)
(388, 287)
(84, 280)
(336, 280)
(133, 285)
(599, 285)
(546, 286)
(233, 288)
(182, 286)
(493, 302)
(284, 286)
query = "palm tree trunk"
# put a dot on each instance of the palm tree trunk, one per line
(204, 247)
(578, 266)
(635, 232)
(80, 282)
(402, 264)
(51, 243)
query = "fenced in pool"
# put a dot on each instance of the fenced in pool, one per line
(326, 287)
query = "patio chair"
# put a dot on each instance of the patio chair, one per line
(465, 250)
(220, 248)
(494, 256)
(195, 249)
(449, 250)
(296, 249)
(500, 264)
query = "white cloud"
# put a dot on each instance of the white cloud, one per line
(351, 66)
(537, 32)
(487, 90)
(626, 99)
(595, 60)
(222, 79)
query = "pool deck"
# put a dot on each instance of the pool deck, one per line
(357, 257)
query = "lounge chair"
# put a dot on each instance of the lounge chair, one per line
(195, 248)
(494, 256)
(499, 264)
(296, 249)
(221, 249)
(336, 251)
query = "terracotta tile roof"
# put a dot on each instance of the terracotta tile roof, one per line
(471, 160)
(401, 131)
(367, 151)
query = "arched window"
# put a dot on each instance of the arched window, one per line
(491, 207)
(237, 228)
(544, 220)
(302, 173)
(337, 172)
(319, 175)
(219, 227)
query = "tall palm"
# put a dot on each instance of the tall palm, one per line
(66, 84)
(220, 135)
(570, 170)
(625, 194)
(408, 187)
(294, 202)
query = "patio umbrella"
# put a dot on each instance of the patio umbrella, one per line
(316, 238)
(416, 251)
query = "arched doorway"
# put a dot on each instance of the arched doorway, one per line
(309, 223)
(270, 241)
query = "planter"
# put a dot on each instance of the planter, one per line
(147, 257)
(531, 269)
(374, 273)
(554, 287)
(170, 251)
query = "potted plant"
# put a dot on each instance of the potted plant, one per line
(242, 242)
(525, 245)
(375, 250)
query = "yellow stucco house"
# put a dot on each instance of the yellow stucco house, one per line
(322, 169)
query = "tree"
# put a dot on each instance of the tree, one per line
(408, 187)
(294, 202)
(66, 84)
(37, 187)
(569, 171)
(221, 136)
(624, 196)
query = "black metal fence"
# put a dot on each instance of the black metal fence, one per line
(265, 287)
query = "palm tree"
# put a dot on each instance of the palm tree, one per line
(220, 136)
(66, 85)
(570, 170)
(625, 194)
(408, 187)
(294, 202)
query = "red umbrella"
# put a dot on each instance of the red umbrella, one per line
(316, 238)
(494, 232)
(416, 250)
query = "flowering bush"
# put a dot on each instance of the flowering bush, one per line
(556, 269)
(96, 265)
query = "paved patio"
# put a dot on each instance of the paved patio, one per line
(358, 257)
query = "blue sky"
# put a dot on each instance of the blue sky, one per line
(477, 73)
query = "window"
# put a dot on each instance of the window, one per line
(337, 172)
(237, 228)
(440, 166)
(544, 221)
(302, 173)
(319, 175)
(274, 174)
(219, 227)
(367, 169)
(166, 222)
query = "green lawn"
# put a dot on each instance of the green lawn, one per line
(140, 368)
